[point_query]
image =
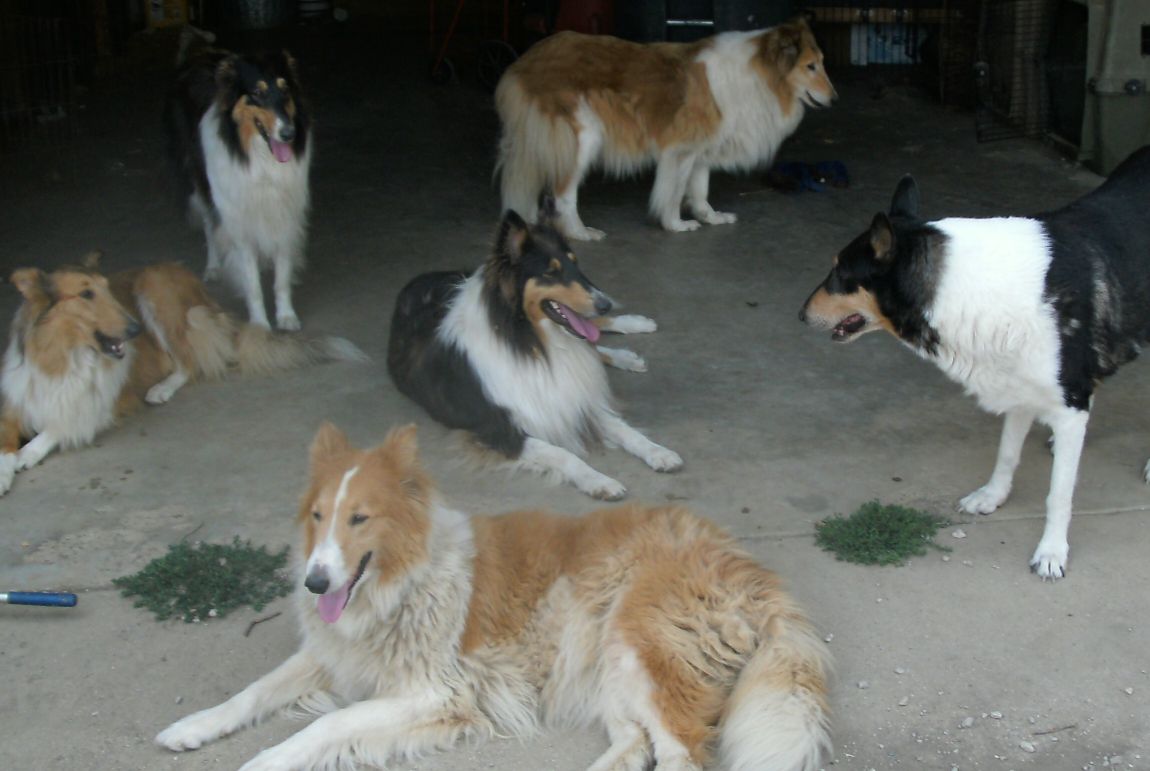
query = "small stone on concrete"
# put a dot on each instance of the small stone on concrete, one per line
(1026, 746)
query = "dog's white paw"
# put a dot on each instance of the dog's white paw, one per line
(634, 324)
(30, 455)
(1049, 560)
(584, 233)
(662, 459)
(602, 487)
(719, 218)
(984, 500)
(287, 322)
(276, 758)
(621, 358)
(1146, 472)
(160, 393)
(681, 226)
(192, 732)
(7, 471)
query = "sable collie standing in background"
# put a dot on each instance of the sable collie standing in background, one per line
(507, 353)
(78, 358)
(239, 135)
(1030, 314)
(436, 627)
(573, 102)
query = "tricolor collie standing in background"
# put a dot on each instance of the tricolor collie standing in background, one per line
(436, 627)
(239, 135)
(85, 349)
(507, 353)
(574, 102)
(1028, 313)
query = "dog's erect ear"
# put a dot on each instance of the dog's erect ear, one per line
(402, 446)
(91, 260)
(882, 238)
(290, 63)
(328, 441)
(547, 211)
(30, 282)
(512, 236)
(905, 201)
(788, 41)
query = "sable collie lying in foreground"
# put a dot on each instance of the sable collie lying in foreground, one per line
(573, 102)
(78, 358)
(507, 354)
(439, 627)
(240, 138)
(1030, 314)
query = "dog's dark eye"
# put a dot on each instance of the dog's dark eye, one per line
(317, 516)
(358, 519)
(812, 66)
(88, 294)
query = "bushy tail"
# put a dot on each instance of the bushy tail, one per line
(219, 342)
(536, 151)
(776, 719)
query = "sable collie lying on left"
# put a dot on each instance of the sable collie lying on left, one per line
(78, 358)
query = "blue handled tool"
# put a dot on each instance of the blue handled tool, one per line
(56, 599)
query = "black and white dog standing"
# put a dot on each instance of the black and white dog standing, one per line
(1029, 314)
(240, 138)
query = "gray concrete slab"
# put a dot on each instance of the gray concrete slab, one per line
(779, 428)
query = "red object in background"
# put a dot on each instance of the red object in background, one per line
(593, 17)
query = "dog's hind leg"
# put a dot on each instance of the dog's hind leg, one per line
(621, 358)
(630, 748)
(295, 679)
(372, 733)
(1049, 560)
(208, 220)
(991, 495)
(697, 189)
(588, 144)
(9, 449)
(618, 432)
(544, 458)
(671, 177)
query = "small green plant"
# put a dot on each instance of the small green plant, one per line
(207, 580)
(878, 534)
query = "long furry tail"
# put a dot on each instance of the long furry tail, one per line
(535, 151)
(219, 342)
(776, 719)
(192, 37)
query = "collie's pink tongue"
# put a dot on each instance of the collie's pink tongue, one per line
(282, 151)
(330, 605)
(582, 325)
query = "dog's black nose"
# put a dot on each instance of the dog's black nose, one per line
(602, 304)
(287, 133)
(317, 581)
(803, 314)
(133, 329)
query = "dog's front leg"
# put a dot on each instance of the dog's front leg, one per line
(618, 432)
(991, 495)
(671, 177)
(1049, 560)
(627, 324)
(296, 678)
(9, 449)
(36, 450)
(370, 733)
(544, 458)
(621, 358)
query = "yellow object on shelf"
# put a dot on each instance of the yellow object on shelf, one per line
(167, 13)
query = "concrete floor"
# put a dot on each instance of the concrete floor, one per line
(779, 428)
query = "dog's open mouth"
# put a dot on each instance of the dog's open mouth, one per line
(570, 320)
(331, 605)
(282, 151)
(115, 347)
(846, 328)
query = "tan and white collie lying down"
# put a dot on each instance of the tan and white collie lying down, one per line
(432, 627)
(85, 349)
(575, 102)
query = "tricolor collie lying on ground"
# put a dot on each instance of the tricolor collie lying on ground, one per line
(85, 349)
(239, 135)
(574, 102)
(435, 627)
(1028, 313)
(507, 353)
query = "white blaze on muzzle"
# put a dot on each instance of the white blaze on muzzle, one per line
(328, 574)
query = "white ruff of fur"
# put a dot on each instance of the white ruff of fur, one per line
(998, 335)
(552, 398)
(73, 407)
(262, 205)
(753, 124)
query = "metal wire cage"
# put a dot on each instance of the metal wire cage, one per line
(1010, 71)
